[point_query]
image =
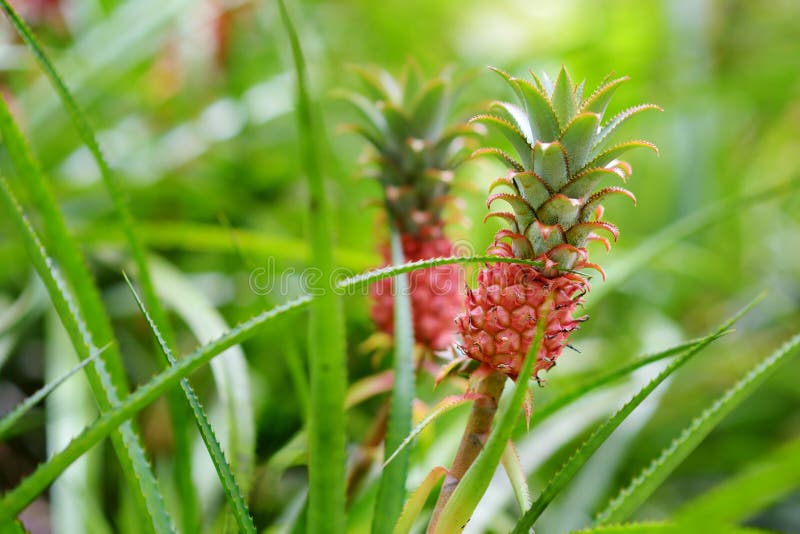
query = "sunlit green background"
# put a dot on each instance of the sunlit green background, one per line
(193, 102)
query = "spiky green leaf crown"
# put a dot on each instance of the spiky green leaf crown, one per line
(563, 154)
(405, 120)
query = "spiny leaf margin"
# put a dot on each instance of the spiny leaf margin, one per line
(582, 454)
(630, 497)
(221, 464)
(18, 498)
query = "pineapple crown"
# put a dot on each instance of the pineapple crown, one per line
(416, 151)
(563, 154)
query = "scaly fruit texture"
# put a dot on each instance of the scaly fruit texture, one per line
(414, 158)
(563, 155)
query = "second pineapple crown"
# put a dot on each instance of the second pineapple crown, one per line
(416, 151)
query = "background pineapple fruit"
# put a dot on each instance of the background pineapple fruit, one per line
(415, 154)
(554, 190)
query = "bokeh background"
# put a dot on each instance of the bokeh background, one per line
(193, 103)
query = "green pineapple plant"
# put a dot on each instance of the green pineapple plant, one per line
(415, 151)
(413, 155)
(555, 184)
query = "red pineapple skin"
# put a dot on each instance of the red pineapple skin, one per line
(434, 292)
(499, 323)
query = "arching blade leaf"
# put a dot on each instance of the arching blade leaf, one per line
(416, 501)
(230, 370)
(599, 436)
(373, 83)
(11, 418)
(502, 156)
(759, 485)
(376, 123)
(542, 118)
(392, 486)
(610, 154)
(585, 183)
(516, 116)
(441, 408)
(551, 407)
(598, 101)
(516, 476)
(512, 133)
(640, 488)
(232, 491)
(198, 237)
(608, 129)
(369, 386)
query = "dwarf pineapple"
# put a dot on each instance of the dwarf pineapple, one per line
(415, 154)
(562, 156)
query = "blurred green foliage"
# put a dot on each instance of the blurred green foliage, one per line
(193, 104)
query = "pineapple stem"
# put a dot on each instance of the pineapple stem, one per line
(365, 455)
(475, 435)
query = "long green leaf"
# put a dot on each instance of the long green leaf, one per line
(11, 418)
(197, 237)
(394, 270)
(232, 491)
(516, 476)
(759, 485)
(416, 501)
(392, 487)
(87, 135)
(551, 407)
(599, 436)
(29, 304)
(230, 371)
(326, 421)
(76, 497)
(105, 377)
(441, 408)
(16, 500)
(472, 486)
(651, 477)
